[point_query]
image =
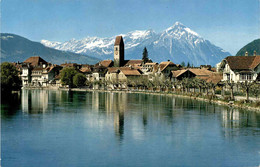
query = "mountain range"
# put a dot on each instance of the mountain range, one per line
(177, 43)
(16, 48)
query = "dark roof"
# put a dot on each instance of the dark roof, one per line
(119, 40)
(242, 62)
(35, 61)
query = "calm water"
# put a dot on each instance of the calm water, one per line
(57, 128)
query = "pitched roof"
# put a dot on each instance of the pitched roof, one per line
(178, 73)
(35, 61)
(106, 63)
(200, 72)
(85, 69)
(134, 62)
(165, 64)
(243, 62)
(112, 69)
(215, 78)
(130, 71)
(119, 40)
(125, 70)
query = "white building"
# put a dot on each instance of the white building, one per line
(37, 72)
(240, 68)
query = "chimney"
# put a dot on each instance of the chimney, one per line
(246, 54)
(168, 60)
(254, 53)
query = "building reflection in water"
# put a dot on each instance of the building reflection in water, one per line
(238, 122)
(141, 111)
(34, 101)
(117, 104)
(111, 104)
(40, 101)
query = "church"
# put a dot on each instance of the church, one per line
(119, 55)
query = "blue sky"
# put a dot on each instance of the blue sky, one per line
(229, 24)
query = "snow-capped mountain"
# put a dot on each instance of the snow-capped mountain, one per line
(177, 43)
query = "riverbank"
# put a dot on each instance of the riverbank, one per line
(235, 104)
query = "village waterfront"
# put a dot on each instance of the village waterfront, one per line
(73, 128)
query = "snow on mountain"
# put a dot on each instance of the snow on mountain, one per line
(177, 43)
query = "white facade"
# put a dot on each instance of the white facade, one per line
(240, 76)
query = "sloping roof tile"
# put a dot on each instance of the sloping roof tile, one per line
(215, 78)
(35, 61)
(131, 72)
(243, 62)
(134, 62)
(125, 70)
(200, 72)
(106, 63)
(165, 64)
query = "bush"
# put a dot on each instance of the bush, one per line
(79, 80)
(9, 77)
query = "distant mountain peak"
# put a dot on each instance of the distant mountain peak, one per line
(177, 42)
(179, 29)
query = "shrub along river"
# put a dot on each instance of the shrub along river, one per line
(59, 128)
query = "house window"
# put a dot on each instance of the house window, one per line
(246, 76)
(228, 76)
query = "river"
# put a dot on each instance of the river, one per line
(44, 128)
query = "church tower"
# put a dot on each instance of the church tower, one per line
(119, 52)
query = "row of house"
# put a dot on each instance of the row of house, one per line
(37, 72)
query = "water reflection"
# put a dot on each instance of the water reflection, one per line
(239, 122)
(118, 129)
(142, 110)
(10, 104)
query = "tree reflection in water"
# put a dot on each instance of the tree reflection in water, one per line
(142, 110)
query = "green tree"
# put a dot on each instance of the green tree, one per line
(67, 75)
(256, 90)
(246, 87)
(231, 85)
(183, 64)
(145, 55)
(79, 80)
(188, 65)
(9, 77)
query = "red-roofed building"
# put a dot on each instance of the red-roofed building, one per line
(38, 72)
(165, 69)
(116, 74)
